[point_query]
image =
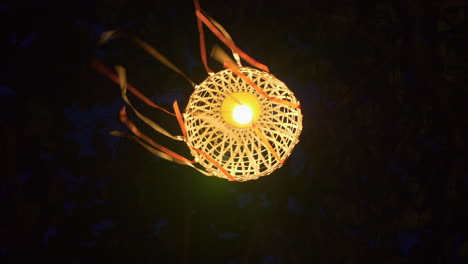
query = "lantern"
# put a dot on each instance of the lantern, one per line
(240, 123)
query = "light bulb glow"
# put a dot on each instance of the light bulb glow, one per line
(242, 114)
(241, 109)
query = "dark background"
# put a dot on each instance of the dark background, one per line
(379, 176)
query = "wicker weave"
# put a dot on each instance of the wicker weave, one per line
(241, 151)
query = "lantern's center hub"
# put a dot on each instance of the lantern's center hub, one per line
(242, 114)
(241, 109)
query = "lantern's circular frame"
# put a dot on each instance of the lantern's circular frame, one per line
(240, 150)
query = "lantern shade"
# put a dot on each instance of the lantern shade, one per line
(250, 150)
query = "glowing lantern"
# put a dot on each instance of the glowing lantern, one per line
(240, 123)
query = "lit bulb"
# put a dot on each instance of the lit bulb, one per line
(242, 114)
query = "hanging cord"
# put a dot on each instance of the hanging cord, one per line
(201, 18)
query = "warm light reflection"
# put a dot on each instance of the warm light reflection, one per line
(242, 114)
(241, 109)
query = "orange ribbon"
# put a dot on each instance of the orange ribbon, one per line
(101, 68)
(202, 40)
(267, 144)
(237, 71)
(124, 119)
(221, 37)
(199, 151)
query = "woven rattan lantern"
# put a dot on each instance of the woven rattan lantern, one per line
(247, 150)
(240, 123)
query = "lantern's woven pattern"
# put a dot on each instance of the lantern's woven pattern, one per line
(240, 150)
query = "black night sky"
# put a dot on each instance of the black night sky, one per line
(379, 175)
